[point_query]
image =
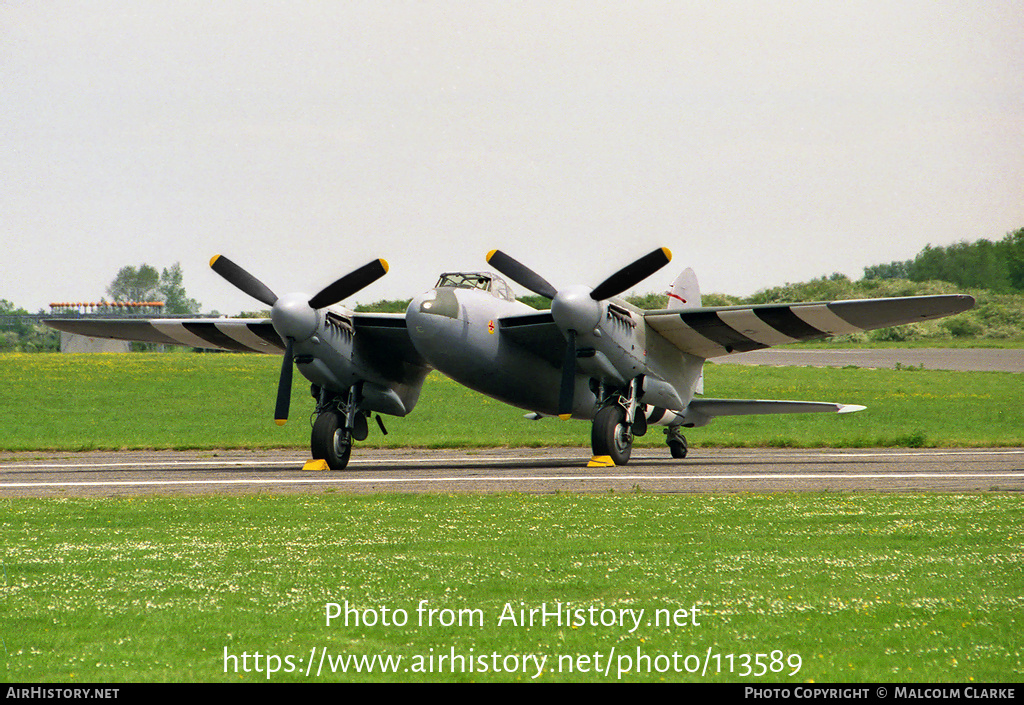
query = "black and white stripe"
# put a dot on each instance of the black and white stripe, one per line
(712, 332)
(234, 334)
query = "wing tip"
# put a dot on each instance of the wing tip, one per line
(849, 408)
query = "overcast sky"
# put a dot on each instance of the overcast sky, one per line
(761, 142)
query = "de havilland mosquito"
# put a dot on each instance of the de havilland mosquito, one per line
(591, 356)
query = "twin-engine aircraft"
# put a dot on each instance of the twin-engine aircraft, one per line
(590, 356)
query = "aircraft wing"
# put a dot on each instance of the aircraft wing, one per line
(537, 333)
(715, 331)
(385, 334)
(234, 334)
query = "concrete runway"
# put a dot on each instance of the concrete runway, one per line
(511, 470)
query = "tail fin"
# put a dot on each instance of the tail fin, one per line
(684, 292)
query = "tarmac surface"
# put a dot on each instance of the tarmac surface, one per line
(544, 470)
(964, 360)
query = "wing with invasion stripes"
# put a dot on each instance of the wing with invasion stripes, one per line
(715, 331)
(385, 333)
(234, 334)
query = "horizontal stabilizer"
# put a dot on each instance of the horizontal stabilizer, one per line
(700, 412)
(743, 407)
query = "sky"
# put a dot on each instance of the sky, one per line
(761, 142)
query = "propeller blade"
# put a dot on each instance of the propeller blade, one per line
(350, 284)
(520, 273)
(284, 387)
(631, 274)
(565, 394)
(242, 279)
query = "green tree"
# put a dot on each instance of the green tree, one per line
(172, 292)
(893, 270)
(23, 334)
(133, 284)
(1014, 249)
(145, 284)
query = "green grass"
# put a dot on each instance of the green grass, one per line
(906, 588)
(137, 400)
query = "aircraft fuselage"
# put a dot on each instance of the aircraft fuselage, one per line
(459, 332)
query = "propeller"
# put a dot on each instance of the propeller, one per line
(294, 317)
(350, 284)
(576, 308)
(284, 386)
(242, 280)
(627, 277)
(328, 296)
(521, 274)
(568, 386)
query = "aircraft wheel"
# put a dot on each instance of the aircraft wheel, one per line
(330, 441)
(678, 448)
(676, 442)
(611, 434)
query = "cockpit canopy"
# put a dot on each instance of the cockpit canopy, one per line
(484, 281)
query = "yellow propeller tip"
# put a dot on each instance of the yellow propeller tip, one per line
(214, 259)
(280, 422)
(384, 264)
(490, 254)
(565, 417)
(668, 253)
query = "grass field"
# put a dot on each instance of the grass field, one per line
(78, 402)
(829, 588)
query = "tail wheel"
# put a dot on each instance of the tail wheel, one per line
(330, 441)
(678, 449)
(676, 442)
(611, 434)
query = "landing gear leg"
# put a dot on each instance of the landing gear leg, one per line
(611, 435)
(676, 442)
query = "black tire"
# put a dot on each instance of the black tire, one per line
(678, 449)
(329, 441)
(611, 435)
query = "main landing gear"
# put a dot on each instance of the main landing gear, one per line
(330, 440)
(611, 435)
(616, 422)
(621, 419)
(339, 422)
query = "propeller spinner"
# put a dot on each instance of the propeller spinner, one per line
(575, 308)
(295, 318)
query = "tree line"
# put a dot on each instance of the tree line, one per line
(983, 264)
